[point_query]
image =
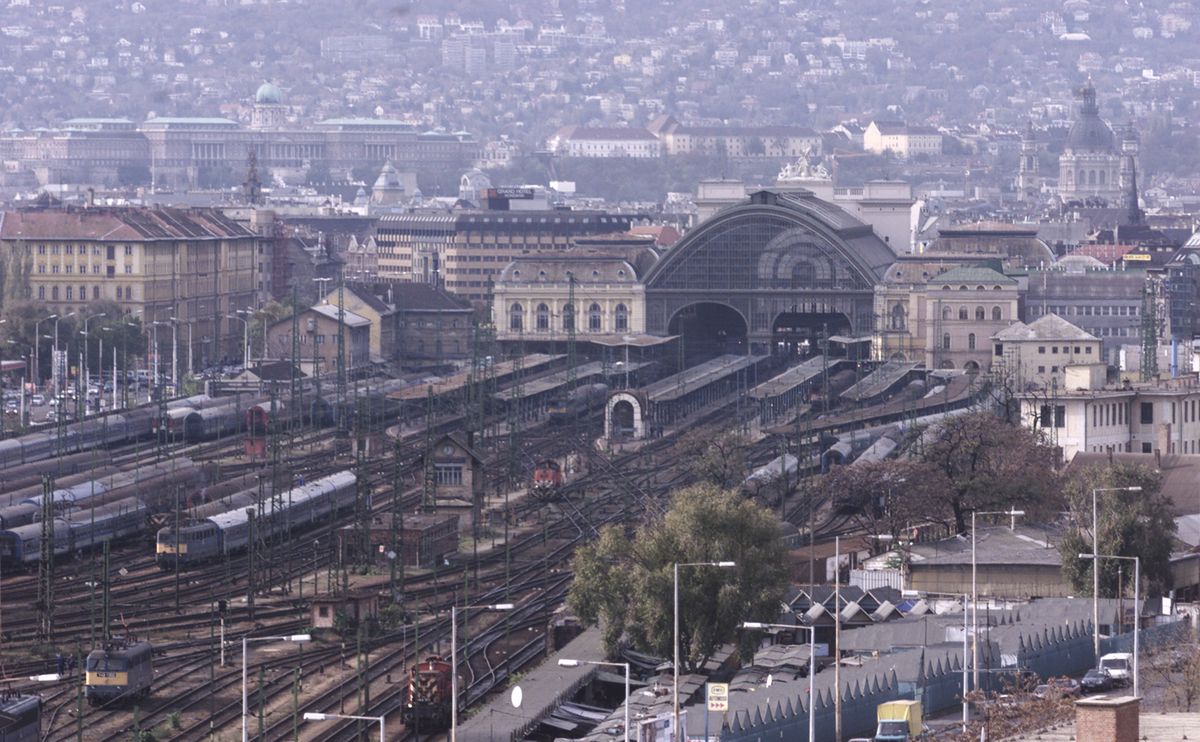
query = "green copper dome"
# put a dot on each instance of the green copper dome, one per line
(268, 93)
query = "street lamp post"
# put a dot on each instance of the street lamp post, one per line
(174, 353)
(975, 589)
(675, 636)
(245, 337)
(298, 638)
(812, 667)
(37, 355)
(84, 365)
(54, 360)
(577, 663)
(1137, 611)
(317, 716)
(1096, 567)
(454, 658)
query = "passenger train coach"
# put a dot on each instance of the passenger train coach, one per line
(228, 533)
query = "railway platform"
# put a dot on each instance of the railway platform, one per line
(542, 690)
(780, 394)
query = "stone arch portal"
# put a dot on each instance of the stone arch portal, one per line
(624, 417)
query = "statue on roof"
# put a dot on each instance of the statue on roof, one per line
(806, 167)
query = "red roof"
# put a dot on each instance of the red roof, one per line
(1107, 254)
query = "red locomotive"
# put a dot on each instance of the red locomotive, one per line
(427, 699)
(547, 480)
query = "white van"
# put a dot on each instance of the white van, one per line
(1118, 665)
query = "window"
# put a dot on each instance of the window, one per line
(516, 317)
(448, 474)
(999, 350)
(83, 293)
(962, 312)
(319, 340)
(1147, 413)
(54, 294)
(971, 341)
(41, 292)
(568, 318)
(1041, 369)
(41, 249)
(323, 611)
(128, 269)
(945, 341)
(622, 318)
(899, 318)
(594, 318)
(69, 293)
(110, 252)
(70, 249)
(129, 249)
(979, 314)
(95, 292)
(1056, 416)
(945, 312)
(996, 314)
(1146, 448)
(543, 318)
(1042, 349)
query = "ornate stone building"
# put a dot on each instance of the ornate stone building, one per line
(190, 151)
(1090, 165)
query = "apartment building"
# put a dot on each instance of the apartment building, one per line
(466, 251)
(191, 266)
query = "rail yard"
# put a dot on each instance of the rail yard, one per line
(228, 562)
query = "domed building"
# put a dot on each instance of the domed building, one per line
(1090, 165)
(269, 111)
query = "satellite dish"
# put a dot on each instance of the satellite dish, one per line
(770, 680)
(517, 696)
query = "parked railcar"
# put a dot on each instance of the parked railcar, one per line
(212, 422)
(578, 403)
(106, 523)
(118, 673)
(22, 546)
(264, 416)
(20, 718)
(198, 539)
(427, 705)
(547, 480)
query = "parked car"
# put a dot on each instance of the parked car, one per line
(1057, 687)
(1096, 681)
(37, 400)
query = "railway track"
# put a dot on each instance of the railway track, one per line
(617, 489)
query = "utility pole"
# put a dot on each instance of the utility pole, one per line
(429, 491)
(341, 353)
(572, 319)
(297, 400)
(362, 487)
(46, 564)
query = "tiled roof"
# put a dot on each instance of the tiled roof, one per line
(126, 224)
(350, 319)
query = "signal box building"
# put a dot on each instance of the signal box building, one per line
(422, 539)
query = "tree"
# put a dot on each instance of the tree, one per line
(263, 318)
(1176, 667)
(988, 464)
(887, 497)
(718, 456)
(1129, 524)
(626, 585)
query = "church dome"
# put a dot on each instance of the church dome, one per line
(1089, 133)
(268, 93)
